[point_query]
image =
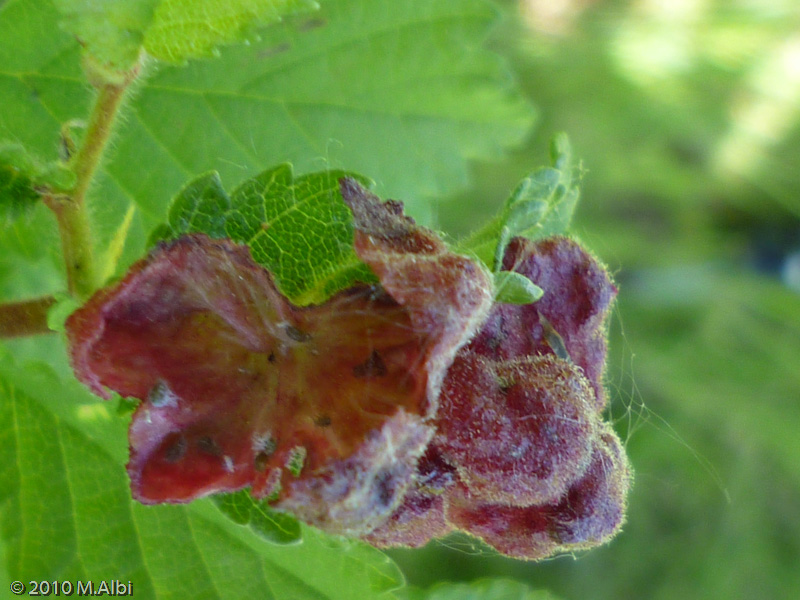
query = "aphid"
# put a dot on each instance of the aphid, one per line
(372, 367)
(296, 335)
(176, 451)
(209, 446)
(553, 339)
(322, 421)
(161, 396)
(297, 457)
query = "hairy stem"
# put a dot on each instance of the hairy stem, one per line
(70, 210)
(76, 244)
(28, 317)
(98, 132)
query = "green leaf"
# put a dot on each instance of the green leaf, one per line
(514, 288)
(183, 29)
(273, 526)
(301, 230)
(17, 170)
(482, 589)
(540, 206)
(22, 176)
(201, 206)
(127, 406)
(114, 32)
(62, 477)
(402, 91)
(298, 228)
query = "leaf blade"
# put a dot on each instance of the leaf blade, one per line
(514, 288)
(115, 32)
(183, 29)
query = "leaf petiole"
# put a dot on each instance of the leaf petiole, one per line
(24, 318)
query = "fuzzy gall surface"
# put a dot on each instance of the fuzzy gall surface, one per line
(395, 412)
(519, 432)
(326, 408)
(569, 321)
(533, 468)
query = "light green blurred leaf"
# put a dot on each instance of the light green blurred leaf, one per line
(184, 29)
(482, 589)
(401, 92)
(114, 32)
(63, 480)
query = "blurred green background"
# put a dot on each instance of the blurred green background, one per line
(686, 114)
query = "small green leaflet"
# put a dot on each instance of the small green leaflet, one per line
(298, 228)
(17, 193)
(540, 206)
(514, 288)
(270, 524)
(22, 176)
(482, 589)
(114, 32)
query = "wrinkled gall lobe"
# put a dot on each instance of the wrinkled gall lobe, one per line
(395, 412)
(521, 457)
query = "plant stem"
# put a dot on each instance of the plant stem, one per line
(76, 244)
(70, 210)
(98, 131)
(28, 317)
